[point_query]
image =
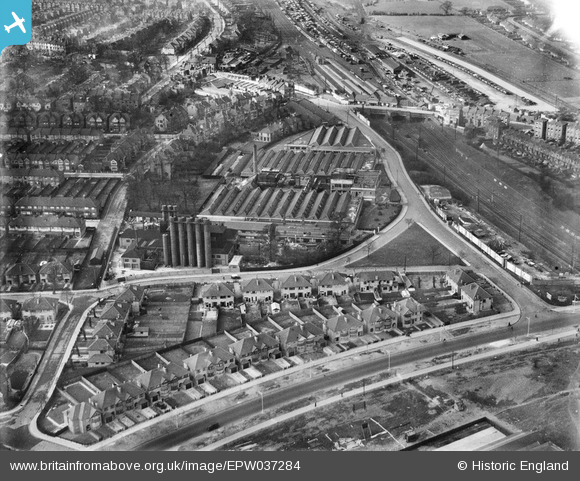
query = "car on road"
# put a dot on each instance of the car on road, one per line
(213, 427)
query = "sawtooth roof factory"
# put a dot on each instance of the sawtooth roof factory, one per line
(304, 186)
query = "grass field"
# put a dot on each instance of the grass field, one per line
(428, 6)
(414, 247)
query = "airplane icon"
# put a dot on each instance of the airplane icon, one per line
(18, 22)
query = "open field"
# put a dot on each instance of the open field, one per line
(529, 391)
(413, 7)
(414, 247)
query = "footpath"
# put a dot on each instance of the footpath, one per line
(405, 373)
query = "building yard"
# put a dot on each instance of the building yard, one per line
(493, 51)
(528, 391)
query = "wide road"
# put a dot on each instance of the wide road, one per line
(342, 377)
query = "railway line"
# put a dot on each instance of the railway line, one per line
(507, 209)
(517, 213)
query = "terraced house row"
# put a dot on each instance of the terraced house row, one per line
(44, 122)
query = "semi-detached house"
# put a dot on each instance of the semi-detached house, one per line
(257, 290)
(333, 284)
(295, 286)
(217, 295)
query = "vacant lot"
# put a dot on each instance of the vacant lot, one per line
(414, 247)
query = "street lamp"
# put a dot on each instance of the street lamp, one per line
(528, 318)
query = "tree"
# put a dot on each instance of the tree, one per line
(497, 244)
(446, 6)
(435, 251)
(340, 224)
(267, 243)
(52, 275)
(23, 84)
(78, 73)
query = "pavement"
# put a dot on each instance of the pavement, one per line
(398, 377)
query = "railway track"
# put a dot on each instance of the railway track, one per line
(518, 214)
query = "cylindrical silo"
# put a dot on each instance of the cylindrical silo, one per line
(182, 241)
(207, 243)
(199, 244)
(191, 243)
(166, 250)
(174, 242)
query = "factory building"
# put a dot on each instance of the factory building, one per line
(305, 216)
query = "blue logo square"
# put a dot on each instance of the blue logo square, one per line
(15, 22)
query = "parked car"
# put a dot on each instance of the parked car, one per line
(213, 427)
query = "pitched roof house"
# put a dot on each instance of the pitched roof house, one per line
(409, 312)
(295, 286)
(476, 298)
(83, 417)
(217, 295)
(257, 290)
(378, 318)
(343, 327)
(457, 278)
(385, 281)
(43, 308)
(333, 284)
